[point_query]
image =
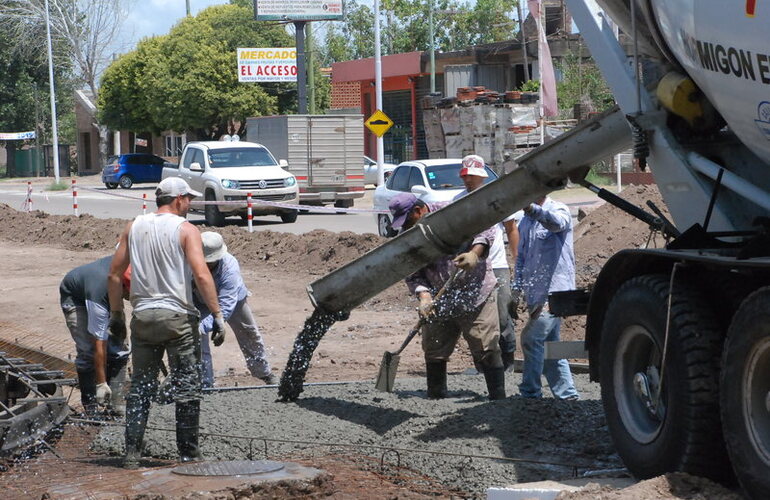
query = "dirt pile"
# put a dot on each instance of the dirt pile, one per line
(672, 486)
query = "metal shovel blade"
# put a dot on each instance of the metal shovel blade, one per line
(386, 378)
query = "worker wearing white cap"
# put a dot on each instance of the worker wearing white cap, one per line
(232, 295)
(474, 175)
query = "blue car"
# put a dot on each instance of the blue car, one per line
(128, 169)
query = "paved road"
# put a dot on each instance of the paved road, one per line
(96, 200)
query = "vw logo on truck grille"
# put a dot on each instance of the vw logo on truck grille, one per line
(262, 184)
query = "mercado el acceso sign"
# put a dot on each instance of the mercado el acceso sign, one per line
(267, 65)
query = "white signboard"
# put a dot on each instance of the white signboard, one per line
(267, 65)
(16, 136)
(298, 10)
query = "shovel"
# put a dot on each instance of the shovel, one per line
(386, 378)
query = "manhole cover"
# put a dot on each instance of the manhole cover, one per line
(230, 468)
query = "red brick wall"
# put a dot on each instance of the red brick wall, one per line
(346, 95)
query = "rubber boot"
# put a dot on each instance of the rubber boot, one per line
(117, 383)
(136, 421)
(87, 385)
(507, 360)
(436, 377)
(495, 378)
(187, 420)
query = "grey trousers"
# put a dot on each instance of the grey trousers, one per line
(249, 340)
(507, 333)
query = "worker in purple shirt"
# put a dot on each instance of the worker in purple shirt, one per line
(467, 307)
(545, 263)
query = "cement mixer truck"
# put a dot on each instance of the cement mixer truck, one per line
(678, 337)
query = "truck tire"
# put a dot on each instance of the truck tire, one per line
(289, 217)
(383, 227)
(683, 431)
(212, 214)
(745, 393)
(126, 181)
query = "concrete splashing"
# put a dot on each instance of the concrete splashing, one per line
(307, 340)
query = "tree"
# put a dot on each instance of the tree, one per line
(86, 29)
(582, 83)
(186, 80)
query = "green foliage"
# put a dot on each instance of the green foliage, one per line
(405, 27)
(187, 80)
(583, 83)
(530, 86)
(57, 186)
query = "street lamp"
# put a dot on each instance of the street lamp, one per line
(54, 130)
(433, 43)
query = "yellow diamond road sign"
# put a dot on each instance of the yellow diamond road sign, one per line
(379, 123)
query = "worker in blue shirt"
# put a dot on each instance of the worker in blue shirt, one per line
(232, 295)
(545, 263)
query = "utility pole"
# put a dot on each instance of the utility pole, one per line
(299, 35)
(55, 130)
(378, 90)
(310, 71)
(431, 6)
(187, 2)
(523, 41)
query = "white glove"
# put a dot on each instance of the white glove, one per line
(218, 330)
(426, 307)
(103, 394)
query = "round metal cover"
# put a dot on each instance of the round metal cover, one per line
(228, 468)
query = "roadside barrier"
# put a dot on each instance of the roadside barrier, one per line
(28, 202)
(144, 203)
(249, 215)
(75, 198)
(249, 204)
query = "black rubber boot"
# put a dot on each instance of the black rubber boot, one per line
(187, 420)
(87, 385)
(136, 421)
(507, 360)
(495, 378)
(436, 378)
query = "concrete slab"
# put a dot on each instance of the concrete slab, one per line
(547, 490)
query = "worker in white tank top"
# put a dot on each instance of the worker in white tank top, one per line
(166, 254)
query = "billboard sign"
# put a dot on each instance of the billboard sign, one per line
(267, 65)
(299, 10)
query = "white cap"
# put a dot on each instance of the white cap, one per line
(173, 187)
(473, 165)
(214, 247)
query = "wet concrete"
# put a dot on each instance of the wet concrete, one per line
(557, 438)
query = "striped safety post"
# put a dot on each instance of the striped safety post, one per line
(249, 216)
(144, 203)
(29, 196)
(75, 198)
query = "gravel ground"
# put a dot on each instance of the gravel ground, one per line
(563, 435)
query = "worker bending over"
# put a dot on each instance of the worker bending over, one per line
(232, 296)
(101, 357)
(166, 255)
(467, 306)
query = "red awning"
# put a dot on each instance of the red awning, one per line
(363, 69)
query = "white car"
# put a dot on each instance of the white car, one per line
(430, 180)
(370, 170)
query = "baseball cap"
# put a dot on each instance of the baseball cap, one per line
(174, 186)
(473, 165)
(214, 247)
(400, 206)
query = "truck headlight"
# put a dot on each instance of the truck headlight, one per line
(230, 184)
(289, 181)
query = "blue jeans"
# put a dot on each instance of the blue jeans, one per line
(543, 327)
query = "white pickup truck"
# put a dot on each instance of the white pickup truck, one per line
(227, 171)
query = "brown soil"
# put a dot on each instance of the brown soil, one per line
(667, 487)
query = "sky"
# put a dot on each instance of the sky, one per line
(156, 17)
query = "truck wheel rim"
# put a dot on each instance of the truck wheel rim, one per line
(383, 225)
(638, 357)
(756, 398)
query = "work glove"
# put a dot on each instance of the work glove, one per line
(426, 307)
(117, 325)
(218, 330)
(513, 305)
(103, 393)
(466, 261)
